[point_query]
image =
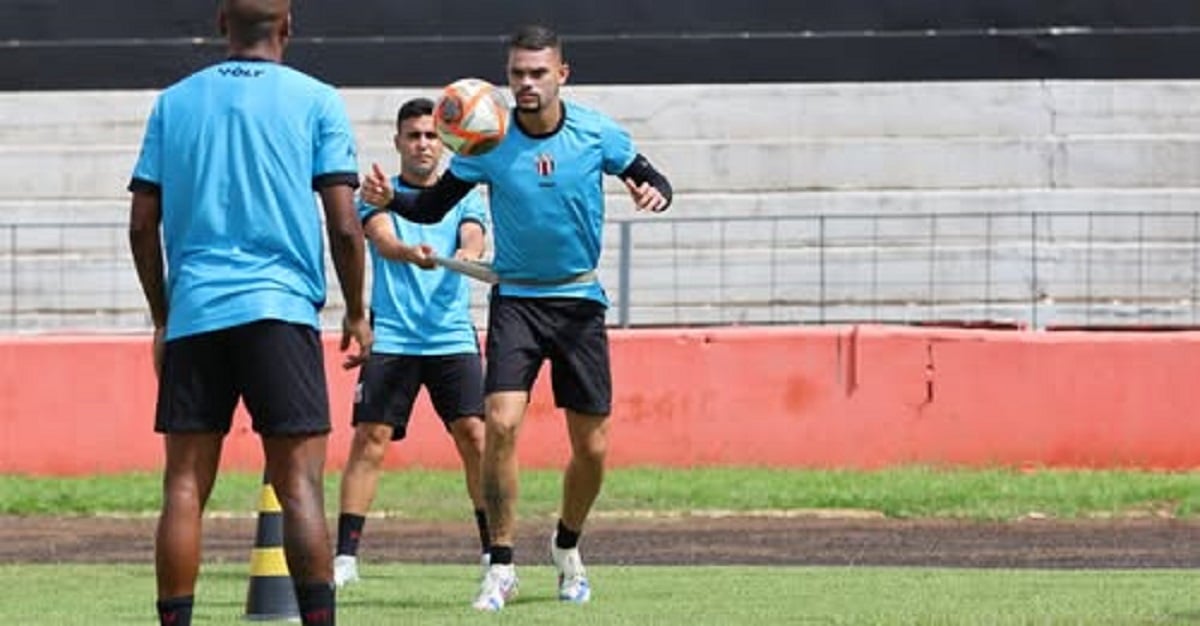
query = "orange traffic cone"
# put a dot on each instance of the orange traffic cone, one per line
(271, 595)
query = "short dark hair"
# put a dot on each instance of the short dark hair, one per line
(417, 107)
(535, 37)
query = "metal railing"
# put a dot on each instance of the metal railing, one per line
(1002, 269)
(1020, 269)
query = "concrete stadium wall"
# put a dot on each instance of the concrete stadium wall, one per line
(832, 397)
(949, 148)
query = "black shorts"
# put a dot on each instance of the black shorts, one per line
(277, 368)
(570, 332)
(388, 385)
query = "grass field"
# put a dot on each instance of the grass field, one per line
(899, 493)
(393, 593)
(406, 594)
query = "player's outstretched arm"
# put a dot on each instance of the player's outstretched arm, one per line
(650, 190)
(346, 248)
(382, 233)
(427, 206)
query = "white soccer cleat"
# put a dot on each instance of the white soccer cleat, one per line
(499, 585)
(345, 570)
(573, 583)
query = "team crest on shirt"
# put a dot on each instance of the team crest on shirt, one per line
(545, 169)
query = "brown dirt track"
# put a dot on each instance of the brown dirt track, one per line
(1126, 543)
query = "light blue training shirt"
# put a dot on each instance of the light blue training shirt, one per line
(423, 312)
(547, 200)
(237, 150)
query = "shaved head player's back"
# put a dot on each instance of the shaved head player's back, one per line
(228, 244)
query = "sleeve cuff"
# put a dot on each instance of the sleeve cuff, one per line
(145, 186)
(350, 179)
(370, 214)
(473, 220)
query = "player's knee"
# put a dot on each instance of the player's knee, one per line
(591, 449)
(502, 435)
(371, 454)
(371, 442)
(298, 494)
(589, 436)
(182, 495)
(505, 408)
(187, 487)
(468, 433)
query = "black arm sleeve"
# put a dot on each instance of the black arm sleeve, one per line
(429, 206)
(349, 179)
(141, 184)
(641, 171)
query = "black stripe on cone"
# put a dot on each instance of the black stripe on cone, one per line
(271, 595)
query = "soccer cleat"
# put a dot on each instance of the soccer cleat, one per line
(499, 585)
(345, 570)
(573, 583)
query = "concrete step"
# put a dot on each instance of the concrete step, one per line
(1069, 272)
(907, 231)
(54, 171)
(915, 276)
(55, 211)
(890, 209)
(715, 112)
(649, 112)
(899, 205)
(136, 321)
(51, 310)
(102, 171)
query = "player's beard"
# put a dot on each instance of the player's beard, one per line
(533, 106)
(420, 171)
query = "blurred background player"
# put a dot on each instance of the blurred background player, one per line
(423, 335)
(547, 206)
(235, 309)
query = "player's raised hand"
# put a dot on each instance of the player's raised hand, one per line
(376, 188)
(645, 196)
(359, 331)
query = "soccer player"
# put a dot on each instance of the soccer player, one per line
(423, 335)
(547, 203)
(228, 167)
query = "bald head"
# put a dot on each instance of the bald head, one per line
(255, 22)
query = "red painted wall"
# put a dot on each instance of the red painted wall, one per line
(856, 396)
